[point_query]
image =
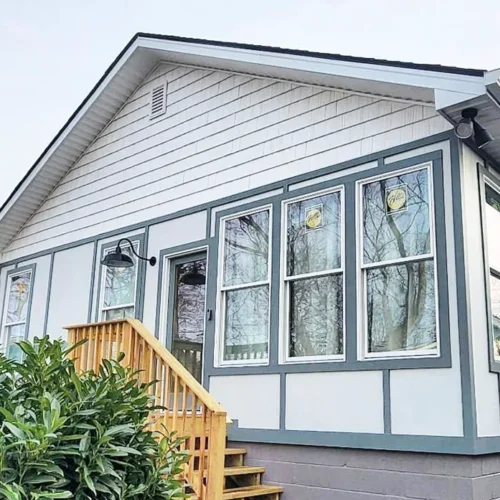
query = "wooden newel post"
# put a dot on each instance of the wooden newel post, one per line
(217, 445)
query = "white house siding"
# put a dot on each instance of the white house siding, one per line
(222, 134)
(70, 289)
(485, 382)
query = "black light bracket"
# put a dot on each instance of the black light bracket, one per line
(119, 259)
(151, 260)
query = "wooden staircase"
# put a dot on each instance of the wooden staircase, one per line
(213, 472)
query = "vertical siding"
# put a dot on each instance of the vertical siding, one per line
(222, 134)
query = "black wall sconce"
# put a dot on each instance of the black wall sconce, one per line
(120, 259)
(468, 127)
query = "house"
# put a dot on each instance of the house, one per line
(326, 247)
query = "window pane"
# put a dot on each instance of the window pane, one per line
(19, 292)
(120, 283)
(247, 323)
(401, 307)
(396, 217)
(14, 334)
(493, 227)
(120, 313)
(495, 313)
(246, 249)
(316, 316)
(313, 234)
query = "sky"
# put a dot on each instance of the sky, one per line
(52, 52)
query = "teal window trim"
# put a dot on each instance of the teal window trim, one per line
(351, 361)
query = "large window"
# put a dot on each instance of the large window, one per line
(313, 291)
(17, 302)
(119, 288)
(398, 286)
(245, 287)
(492, 226)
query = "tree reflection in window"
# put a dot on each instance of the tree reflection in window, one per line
(398, 264)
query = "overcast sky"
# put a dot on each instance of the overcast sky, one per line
(53, 52)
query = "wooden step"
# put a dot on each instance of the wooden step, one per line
(242, 470)
(235, 451)
(251, 492)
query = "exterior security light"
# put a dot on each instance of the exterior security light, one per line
(468, 127)
(119, 259)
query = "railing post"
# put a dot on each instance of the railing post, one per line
(216, 447)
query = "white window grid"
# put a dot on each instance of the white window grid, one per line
(362, 299)
(222, 291)
(103, 309)
(6, 324)
(285, 281)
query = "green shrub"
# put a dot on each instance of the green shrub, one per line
(64, 435)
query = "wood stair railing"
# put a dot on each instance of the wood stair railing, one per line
(213, 471)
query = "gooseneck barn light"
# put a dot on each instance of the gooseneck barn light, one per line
(193, 277)
(468, 127)
(120, 259)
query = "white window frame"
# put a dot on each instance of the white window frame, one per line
(103, 309)
(221, 291)
(284, 328)
(5, 325)
(361, 268)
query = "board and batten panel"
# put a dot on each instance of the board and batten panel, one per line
(335, 402)
(429, 402)
(70, 289)
(485, 382)
(39, 298)
(222, 134)
(253, 400)
(169, 234)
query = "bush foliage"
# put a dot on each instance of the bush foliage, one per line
(64, 435)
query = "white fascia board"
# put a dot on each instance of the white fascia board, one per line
(357, 71)
(95, 95)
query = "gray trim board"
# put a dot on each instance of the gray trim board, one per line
(466, 371)
(140, 272)
(282, 401)
(92, 282)
(386, 385)
(142, 277)
(49, 293)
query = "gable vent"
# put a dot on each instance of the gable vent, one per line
(158, 100)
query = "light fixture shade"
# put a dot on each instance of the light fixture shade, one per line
(481, 136)
(117, 259)
(193, 277)
(464, 128)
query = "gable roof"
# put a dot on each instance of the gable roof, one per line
(437, 84)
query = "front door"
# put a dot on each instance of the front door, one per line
(186, 311)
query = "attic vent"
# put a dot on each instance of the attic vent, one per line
(158, 100)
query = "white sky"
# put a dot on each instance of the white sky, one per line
(52, 52)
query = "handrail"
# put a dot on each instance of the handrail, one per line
(189, 409)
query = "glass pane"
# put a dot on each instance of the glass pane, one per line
(14, 334)
(246, 249)
(247, 323)
(396, 217)
(493, 227)
(495, 312)
(313, 235)
(316, 316)
(119, 288)
(19, 293)
(401, 307)
(119, 313)
(188, 324)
